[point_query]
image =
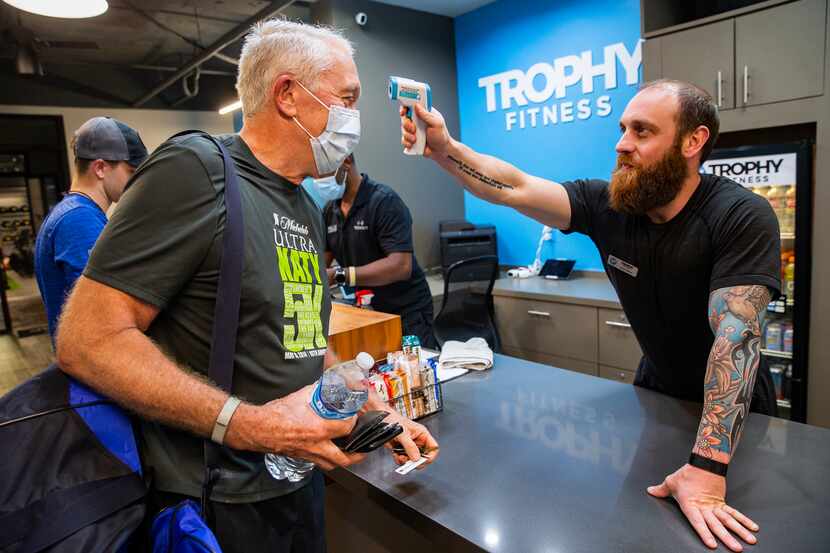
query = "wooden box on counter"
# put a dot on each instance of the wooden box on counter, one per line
(352, 330)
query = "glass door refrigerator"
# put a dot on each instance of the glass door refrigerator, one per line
(783, 175)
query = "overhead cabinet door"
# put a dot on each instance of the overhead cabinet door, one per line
(703, 56)
(779, 53)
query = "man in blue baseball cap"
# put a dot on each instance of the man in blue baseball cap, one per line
(107, 153)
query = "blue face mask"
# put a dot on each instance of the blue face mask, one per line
(329, 189)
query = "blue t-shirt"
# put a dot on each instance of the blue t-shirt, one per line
(63, 245)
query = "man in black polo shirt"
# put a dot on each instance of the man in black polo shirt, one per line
(369, 233)
(694, 259)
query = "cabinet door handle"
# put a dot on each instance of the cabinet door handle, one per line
(746, 84)
(538, 313)
(720, 89)
(617, 324)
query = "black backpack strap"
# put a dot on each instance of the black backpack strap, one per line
(61, 513)
(228, 293)
(226, 311)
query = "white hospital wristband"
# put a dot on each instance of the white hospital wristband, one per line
(224, 419)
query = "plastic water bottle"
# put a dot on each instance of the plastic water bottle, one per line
(339, 394)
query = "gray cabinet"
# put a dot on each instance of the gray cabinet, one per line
(703, 56)
(583, 338)
(613, 373)
(771, 55)
(652, 59)
(618, 347)
(560, 329)
(779, 53)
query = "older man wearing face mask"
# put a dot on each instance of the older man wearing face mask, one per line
(137, 326)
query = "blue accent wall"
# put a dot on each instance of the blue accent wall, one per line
(519, 35)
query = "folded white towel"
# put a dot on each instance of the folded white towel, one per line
(473, 354)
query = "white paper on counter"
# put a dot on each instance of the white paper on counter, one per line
(443, 374)
(448, 374)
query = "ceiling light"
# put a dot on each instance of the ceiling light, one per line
(230, 107)
(26, 61)
(76, 9)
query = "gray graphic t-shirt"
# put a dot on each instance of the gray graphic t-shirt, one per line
(163, 246)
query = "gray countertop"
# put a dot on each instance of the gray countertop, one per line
(537, 459)
(584, 289)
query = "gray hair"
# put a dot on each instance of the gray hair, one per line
(277, 46)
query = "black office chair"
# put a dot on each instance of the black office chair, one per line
(467, 306)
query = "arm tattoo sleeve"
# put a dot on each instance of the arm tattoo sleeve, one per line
(471, 172)
(736, 316)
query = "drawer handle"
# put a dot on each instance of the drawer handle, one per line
(617, 324)
(538, 313)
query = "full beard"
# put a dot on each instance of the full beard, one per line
(638, 190)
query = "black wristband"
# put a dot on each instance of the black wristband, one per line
(709, 465)
(340, 275)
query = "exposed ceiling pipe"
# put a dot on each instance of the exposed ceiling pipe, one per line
(227, 59)
(226, 40)
(171, 69)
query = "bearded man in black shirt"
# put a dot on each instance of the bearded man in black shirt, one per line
(694, 259)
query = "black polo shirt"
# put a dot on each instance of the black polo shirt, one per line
(378, 224)
(663, 273)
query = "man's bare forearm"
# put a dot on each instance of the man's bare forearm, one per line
(121, 362)
(389, 269)
(484, 176)
(736, 316)
(499, 182)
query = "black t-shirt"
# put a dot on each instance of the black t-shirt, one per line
(663, 273)
(163, 246)
(378, 224)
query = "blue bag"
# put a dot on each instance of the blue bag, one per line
(181, 529)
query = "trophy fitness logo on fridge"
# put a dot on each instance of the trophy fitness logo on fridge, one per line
(514, 90)
(768, 170)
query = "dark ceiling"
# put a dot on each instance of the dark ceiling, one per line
(116, 58)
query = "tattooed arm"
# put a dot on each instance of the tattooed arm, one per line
(736, 315)
(490, 178)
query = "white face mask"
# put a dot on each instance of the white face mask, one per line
(338, 140)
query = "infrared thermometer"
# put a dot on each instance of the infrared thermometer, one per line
(408, 93)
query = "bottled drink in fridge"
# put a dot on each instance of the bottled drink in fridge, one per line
(773, 337)
(789, 276)
(787, 339)
(777, 199)
(785, 258)
(788, 220)
(339, 394)
(761, 191)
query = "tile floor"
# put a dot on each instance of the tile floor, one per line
(21, 358)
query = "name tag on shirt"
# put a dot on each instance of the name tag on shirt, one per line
(623, 266)
(332, 229)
